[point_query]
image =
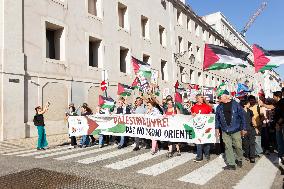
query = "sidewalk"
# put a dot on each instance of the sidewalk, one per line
(54, 140)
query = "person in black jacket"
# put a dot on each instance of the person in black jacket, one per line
(249, 138)
(42, 143)
(122, 109)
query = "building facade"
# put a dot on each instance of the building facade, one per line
(59, 51)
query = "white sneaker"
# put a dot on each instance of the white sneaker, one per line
(71, 147)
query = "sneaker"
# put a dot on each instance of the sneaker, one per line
(42, 148)
(281, 160)
(136, 148)
(101, 145)
(147, 147)
(47, 147)
(153, 153)
(119, 147)
(38, 148)
(252, 160)
(84, 146)
(207, 158)
(197, 160)
(178, 154)
(239, 163)
(169, 154)
(230, 167)
(71, 147)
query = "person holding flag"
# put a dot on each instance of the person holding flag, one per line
(201, 108)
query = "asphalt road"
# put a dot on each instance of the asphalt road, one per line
(109, 167)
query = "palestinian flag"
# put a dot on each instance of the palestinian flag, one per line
(136, 83)
(217, 57)
(266, 60)
(124, 90)
(178, 98)
(105, 102)
(141, 67)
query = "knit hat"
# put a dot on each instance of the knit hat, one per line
(223, 92)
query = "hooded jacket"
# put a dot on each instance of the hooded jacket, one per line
(238, 121)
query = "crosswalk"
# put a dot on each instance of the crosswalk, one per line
(156, 165)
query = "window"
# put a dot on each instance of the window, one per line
(145, 27)
(162, 36)
(189, 24)
(95, 7)
(189, 46)
(122, 16)
(196, 29)
(95, 52)
(123, 59)
(198, 53)
(204, 33)
(180, 45)
(146, 58)
(182, 74)
(55, 48)
(164, 70)
(179, 17)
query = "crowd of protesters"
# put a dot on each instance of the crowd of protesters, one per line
(248, 128)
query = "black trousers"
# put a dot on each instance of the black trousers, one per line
(249, 143)
(73, 141)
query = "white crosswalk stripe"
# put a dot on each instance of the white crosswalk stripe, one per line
(61, 152)
(9, 150)
(16, 151)
(167, 165)
(205, 173)
(134, 160)
(264, 171)
(85, 153)
(43, 151)
(105, 156)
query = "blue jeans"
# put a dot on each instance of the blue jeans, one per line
(200, 148)
(41, 141)
(85, 140)
(101, 139)
(121, 143)
(280, 142)
(258, 148)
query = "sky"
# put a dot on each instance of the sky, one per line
(268, 29)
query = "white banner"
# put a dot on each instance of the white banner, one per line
(178, 128)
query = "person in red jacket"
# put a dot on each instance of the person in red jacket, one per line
(201, 107)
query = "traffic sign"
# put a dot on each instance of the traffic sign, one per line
(103, 86)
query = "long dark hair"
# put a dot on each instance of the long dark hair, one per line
(87, 109)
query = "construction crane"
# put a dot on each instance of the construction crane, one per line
(253, 18)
